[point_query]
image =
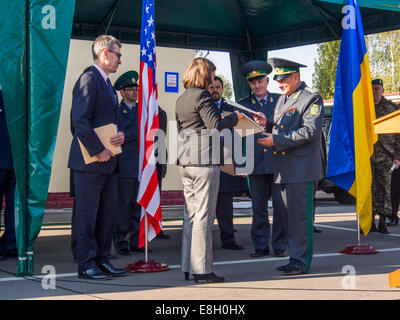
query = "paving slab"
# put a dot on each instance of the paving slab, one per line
(332, 275)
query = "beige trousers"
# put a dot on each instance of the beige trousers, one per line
(200, 188)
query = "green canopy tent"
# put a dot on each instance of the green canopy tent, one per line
(246, 28)
(33, 57)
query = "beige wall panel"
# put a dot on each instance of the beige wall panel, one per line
(80, 57)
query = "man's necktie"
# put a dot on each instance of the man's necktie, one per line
(263, 102)
(110, 87)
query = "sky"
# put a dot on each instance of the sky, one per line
(305, 55)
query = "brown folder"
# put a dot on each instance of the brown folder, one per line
(104, 133)
(246, 123)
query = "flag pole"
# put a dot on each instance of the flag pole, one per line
(358, 229)
(148, 184)
(359, 248)
(146, 265)
(146, 246)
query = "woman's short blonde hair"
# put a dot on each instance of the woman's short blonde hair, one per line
(199, 74)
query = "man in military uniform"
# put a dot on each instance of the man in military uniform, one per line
(386, 153)
(261, 179)
(8, 246)
(128, 216)
(296, 139)
(224, 211)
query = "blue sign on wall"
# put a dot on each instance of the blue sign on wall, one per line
(171, 82)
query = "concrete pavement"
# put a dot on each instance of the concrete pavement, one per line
(332, 276)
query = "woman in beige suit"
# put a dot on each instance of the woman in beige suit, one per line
(199, 122)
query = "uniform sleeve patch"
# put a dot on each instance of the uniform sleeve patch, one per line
(315, 109)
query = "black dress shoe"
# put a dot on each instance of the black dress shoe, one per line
(162, 235)
(232, 246)
(123, 251)
(109, 269)
(12, 253)
(317, 230)
(292, 271)
(382, 226)
(392, 222)
(259, 253)
(282, 268)
(136, 249)
(2, 256)
(209, 277)
(93, 274)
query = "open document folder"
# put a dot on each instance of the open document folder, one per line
(246, 123)
(104, 133)
(246, 126)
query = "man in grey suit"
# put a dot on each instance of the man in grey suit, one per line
(296, 138)
(261, 178)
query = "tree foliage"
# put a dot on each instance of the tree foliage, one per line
(228, 88)
(325, 65)
(384, 60)
(383, 51)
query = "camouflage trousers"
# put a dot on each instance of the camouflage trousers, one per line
(381, 177)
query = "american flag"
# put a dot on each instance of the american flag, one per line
(149, 192)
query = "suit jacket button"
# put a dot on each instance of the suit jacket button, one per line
(265, 150)
(283, 153)
(274, 127)
(281, 126)
(274, 152)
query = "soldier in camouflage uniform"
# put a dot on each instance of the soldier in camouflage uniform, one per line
(386, 153)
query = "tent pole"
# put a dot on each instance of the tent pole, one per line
(112, 16)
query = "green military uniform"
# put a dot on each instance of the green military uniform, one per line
(386, 149)
(298, 166)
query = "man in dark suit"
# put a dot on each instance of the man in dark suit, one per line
(94, 104)
(224, 212)
(8, 245)
(261, 178)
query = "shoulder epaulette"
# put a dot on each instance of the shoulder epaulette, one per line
(311, 90)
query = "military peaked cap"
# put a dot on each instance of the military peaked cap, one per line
(284, 68)
(255, 69)
(377, 81)
(128, 79)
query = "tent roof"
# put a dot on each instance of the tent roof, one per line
(230, 25)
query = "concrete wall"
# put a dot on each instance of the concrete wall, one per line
(80, 57)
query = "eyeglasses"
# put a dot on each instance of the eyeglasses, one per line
(117, 53)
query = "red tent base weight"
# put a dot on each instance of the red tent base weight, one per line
(142, 266)
(359, 249)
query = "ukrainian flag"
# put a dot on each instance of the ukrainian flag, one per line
(352, 137)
